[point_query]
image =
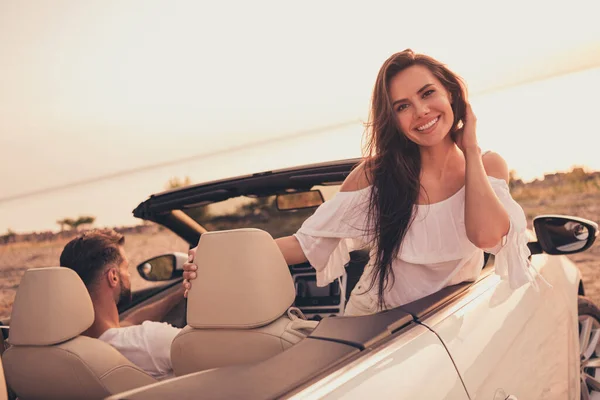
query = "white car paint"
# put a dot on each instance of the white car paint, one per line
(413, 365)
(520, 342)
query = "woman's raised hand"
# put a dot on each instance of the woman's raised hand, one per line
(466, 137)
(189, 271)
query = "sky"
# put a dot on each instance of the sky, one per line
(91, 88)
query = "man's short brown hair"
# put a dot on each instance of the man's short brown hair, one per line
(89, 253)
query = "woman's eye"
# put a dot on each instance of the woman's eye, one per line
(428, 93)
(402, 107)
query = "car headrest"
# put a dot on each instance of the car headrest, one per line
(52, 305)
(243, 281)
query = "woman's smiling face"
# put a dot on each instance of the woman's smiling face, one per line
(422, 105)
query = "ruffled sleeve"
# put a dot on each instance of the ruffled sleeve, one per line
(512, 254)
(337, 227)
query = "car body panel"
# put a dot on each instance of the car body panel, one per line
(412, 365)
(519, 342)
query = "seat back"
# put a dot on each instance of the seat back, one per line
(237, 307)
(47, 357)
(3, 389)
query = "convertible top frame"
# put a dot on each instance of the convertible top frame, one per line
(162, 207)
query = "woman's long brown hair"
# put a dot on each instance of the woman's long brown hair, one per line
(393, 164)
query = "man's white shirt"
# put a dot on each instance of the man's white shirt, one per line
(147, 345)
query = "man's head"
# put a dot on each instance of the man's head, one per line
(99, 259)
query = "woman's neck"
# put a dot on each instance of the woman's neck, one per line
(439, 160)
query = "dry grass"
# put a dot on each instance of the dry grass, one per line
(16, 258)
(576, 200)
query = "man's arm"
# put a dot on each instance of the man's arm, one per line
(155, 311)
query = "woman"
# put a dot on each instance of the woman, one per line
(424, 200)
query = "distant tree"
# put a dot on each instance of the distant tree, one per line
(175, 182)
(83, 220)
(69, 222)
(8, 237)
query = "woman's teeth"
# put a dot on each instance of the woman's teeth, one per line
(428, 125)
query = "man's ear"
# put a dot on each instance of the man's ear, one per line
(113, 277)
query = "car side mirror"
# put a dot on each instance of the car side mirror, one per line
(163, 268)
(560, 234)
(299, 200)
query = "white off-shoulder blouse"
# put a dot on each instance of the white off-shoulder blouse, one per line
(435, 252)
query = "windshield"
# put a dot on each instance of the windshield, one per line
(259, 213)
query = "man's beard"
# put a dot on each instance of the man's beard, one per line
(124, 294)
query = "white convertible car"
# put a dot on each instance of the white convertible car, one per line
(256, 328)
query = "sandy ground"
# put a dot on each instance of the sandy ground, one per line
(16, 258)
(583, 205)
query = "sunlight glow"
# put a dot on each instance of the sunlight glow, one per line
(91, 88)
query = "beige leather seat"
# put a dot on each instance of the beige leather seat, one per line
(237, 309)
(3, 390)
(47, 359)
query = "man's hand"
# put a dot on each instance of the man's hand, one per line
(189, 271)
(156, 310)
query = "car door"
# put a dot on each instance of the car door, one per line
(413, 364)
(516, 342)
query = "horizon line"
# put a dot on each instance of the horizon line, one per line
(297, 134)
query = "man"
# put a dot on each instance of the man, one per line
(99, 259)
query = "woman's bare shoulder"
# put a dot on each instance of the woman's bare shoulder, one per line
(495, 165)
(358, 179)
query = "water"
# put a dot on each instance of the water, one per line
(540, 127)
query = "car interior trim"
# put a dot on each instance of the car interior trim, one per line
(471, 293)
(364, 360)
(271, 378)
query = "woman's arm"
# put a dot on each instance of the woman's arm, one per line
(291, 250)
(486, 219)
(288, 245)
